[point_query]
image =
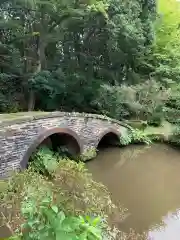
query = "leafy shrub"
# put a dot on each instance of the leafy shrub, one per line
(152, 96)
(141, 101)
(11, 97)
(126, 139)
(64, 152)
(135, 136)
(40, 217)
(33, 205)
(44, 161)
(172, 109)
(139, 136)
(90, 153)
(109, 102)
(174, 99)
(172, 115)
(166, 47)
(175, 137)
(156, 118)
(139, 124)
(72, 188)
(43, 220)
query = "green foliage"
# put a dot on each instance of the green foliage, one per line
(43, 220)
(35, 208)
(59, 53)
(110, 102)
(44, 161)
(157, 117)
(151, 97)
(141, 101)
(126, 139)
(10, 95)
(3, 186)
(90, 153)
(130, 37)
(139, 124)
(166, 47)
(71, 189)
(139, 136)
(172, 115)
(175, 136)
(135, 136)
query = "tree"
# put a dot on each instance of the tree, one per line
(129, 37)
(166, 49)
(68, 49)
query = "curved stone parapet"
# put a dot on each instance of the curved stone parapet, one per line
(20, 137)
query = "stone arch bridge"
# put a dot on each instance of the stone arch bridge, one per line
(21, 134)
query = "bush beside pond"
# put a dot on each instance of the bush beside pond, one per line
(167, 132)
(174, 139)
(135, 136)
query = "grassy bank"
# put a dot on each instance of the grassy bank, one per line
(143, 133)
(165, 130)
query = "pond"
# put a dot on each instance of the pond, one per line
(146, 180)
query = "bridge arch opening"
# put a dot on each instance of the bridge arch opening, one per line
(53, 139)
(108, 138)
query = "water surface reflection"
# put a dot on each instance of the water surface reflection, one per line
(168, 229)
(146, 180)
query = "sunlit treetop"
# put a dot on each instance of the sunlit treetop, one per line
(168, 25)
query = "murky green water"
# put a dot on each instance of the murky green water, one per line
(146, 180)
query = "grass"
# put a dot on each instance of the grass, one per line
(20, 115)
(165, 130)
(148, 134)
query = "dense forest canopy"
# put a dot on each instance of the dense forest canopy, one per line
(113, 57)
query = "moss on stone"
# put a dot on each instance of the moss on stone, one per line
(19, 115)
(137, 124)
(17, 118)
(3, 185)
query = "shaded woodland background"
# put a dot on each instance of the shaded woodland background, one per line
(119, 58)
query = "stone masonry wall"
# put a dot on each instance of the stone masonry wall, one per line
(17, 136)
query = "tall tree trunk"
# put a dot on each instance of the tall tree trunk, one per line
(31, 101)
(41, 64)
(32, 96)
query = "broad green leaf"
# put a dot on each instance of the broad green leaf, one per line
(95, 231)
(70, 224)
(96, 221)
(61, 235)
(61, 216)
(81, 219)
(83, 236)
(54, 208)
(12, 238)
(46, 200)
